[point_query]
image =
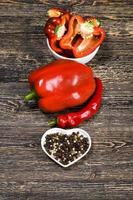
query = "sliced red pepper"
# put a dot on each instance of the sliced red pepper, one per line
(49, 30)
(55, 29)
(61, 28)
(59, 32)
(73, 30)
(88, 45)
(53, 41)
(85, 43)
(73, 34)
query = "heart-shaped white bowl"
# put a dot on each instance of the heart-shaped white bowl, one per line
(68, 132)
(82, 60)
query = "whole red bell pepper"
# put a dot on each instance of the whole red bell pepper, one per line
(61, 84)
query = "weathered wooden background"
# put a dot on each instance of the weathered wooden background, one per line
(25, 171)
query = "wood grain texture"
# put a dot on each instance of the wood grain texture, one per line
(106, 173)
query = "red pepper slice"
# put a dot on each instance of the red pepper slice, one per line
(52, 30)
(88, 45)
(73, 30)
(75, 118)
(49, 30)
(53, 41)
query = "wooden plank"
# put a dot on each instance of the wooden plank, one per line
(25, 171)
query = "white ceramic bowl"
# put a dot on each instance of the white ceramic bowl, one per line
(68, 132)
(82, 60)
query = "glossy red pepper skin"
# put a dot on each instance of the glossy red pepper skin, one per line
(75, 118)
(49, 30)
(62, 84)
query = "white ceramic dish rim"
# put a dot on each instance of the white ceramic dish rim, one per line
(74, 59)
(68, 132)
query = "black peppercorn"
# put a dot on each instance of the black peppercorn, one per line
(66, 148)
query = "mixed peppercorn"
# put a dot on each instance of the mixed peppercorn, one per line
(66, 148)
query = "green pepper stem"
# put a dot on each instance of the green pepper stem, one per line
(31, 95)
(52, 122)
